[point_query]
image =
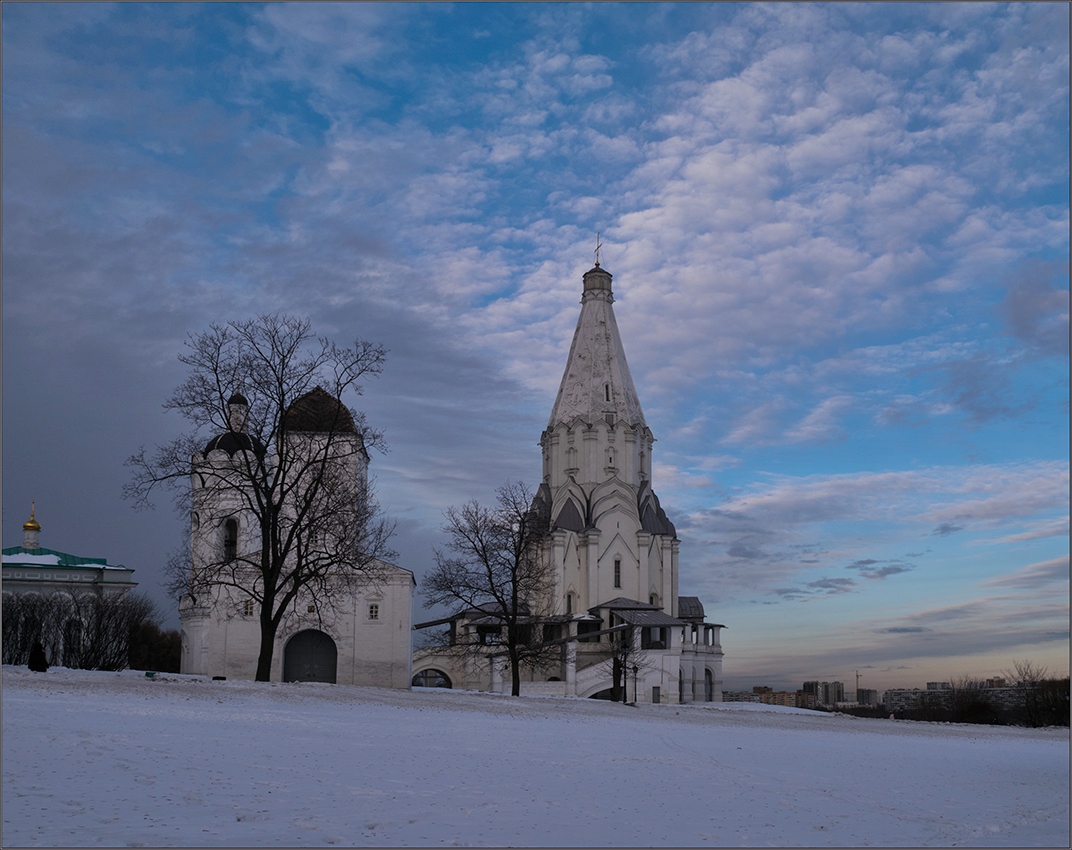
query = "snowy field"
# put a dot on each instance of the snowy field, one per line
(116, 759)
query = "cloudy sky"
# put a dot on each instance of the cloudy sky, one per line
(839, 237)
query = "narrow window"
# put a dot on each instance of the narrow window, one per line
(230, 540)
(569, 603)
(606, 392)
(617, 572)
(373, 611)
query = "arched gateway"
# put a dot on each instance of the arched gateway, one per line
(310, 656)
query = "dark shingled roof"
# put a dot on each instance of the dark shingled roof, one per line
(569, 518)
(690, 608)
(619, 603)
(648, 618)
(235, 441)
(320, 412)
(653, 518)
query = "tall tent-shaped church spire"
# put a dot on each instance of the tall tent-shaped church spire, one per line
(596, 384)
(610, 549)
(611, 537)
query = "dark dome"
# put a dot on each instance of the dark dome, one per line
(318, 411)
(235, 441)
(238, 398)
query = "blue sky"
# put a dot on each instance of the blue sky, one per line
(839, 239)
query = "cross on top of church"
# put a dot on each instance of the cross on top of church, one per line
(598, 246)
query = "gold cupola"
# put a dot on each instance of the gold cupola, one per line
(30, 529)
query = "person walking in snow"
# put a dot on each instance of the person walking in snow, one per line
(38, 661)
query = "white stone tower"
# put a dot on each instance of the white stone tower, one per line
(611, 539)
(356, 632)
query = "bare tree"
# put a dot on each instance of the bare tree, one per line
(628, 657)
(969, 701)
(294, 469)
(1024, 674)
(624, 655)
(492, 565)
(1028, 677)
(76, 629)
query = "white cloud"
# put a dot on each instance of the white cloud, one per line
(1033, 575)
(823, 423)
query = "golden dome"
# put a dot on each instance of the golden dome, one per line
(31, 524)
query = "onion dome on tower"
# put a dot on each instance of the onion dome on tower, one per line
(30, 531)
(318, 412)
(236, 438)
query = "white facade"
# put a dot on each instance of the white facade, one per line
(613, 549)
(370, 634)
(358, 633)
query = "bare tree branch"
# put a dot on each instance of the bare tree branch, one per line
(492, 565)
(301, 488)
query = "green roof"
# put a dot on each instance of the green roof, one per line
(49, 558)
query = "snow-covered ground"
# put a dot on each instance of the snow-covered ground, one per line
(118, 759)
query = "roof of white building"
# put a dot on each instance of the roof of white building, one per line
(23, 557)
(597, 382)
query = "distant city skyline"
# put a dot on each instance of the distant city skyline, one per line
(839, 237)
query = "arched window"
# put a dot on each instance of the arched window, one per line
(569, 603)
(431, 679)
(617, 572)
(230, 540)
(709, 685)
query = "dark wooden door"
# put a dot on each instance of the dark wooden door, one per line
(310, 656)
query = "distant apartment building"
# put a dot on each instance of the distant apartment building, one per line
(766, 695)
(826, 693)
(866, 696)
(769, 696)
(908, 699)
(806, 699)
(1004, 696)
(739, 696)
(995, 691)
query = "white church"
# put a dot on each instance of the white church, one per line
(614, 551)
(363, 637)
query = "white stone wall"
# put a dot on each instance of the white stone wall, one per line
(221, 636)
(220, 639)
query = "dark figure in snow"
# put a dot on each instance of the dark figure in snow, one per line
(38, 662)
